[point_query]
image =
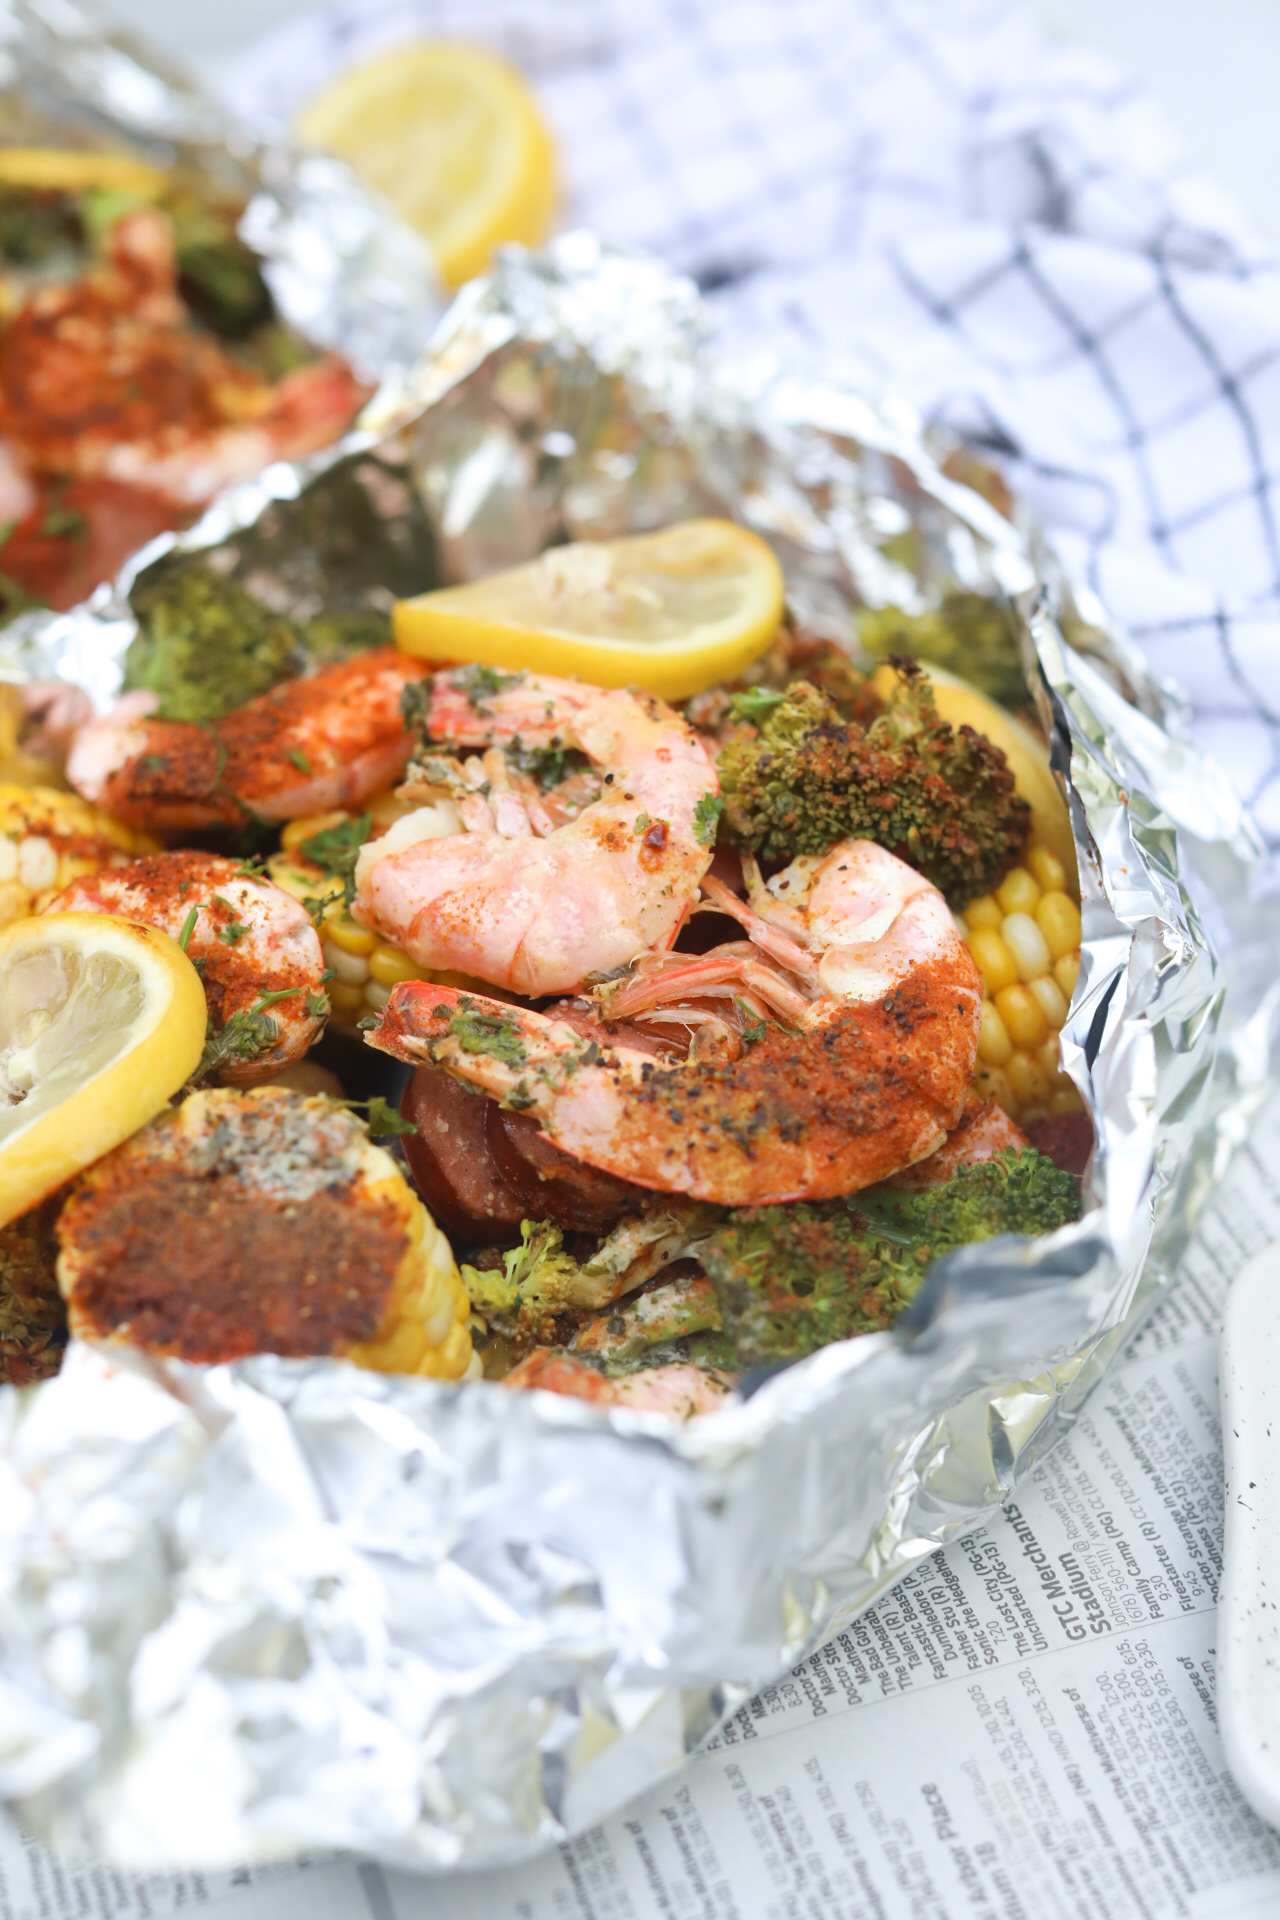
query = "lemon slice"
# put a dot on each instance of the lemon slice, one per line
(75, 170)
(100, 1022)
(450, 135)
(1026, 753)
(673, 611)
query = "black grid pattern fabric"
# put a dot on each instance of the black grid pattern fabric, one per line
(1005, 232)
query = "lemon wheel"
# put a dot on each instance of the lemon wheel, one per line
(451, 136)
(673, 611)
(100, 1022)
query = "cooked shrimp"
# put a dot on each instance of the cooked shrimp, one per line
(837, 1046)
(106, 378)
(262, 1222)
(248, 939)
(984, 1130)
(305, 747)
(678, 1388)
(533, 892)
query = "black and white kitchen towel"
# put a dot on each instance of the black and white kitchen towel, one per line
(1005, 231)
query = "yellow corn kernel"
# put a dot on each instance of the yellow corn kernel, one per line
(74, 866)
(347, 933)
(37, 862)
(1066, 971)
(389, 966)
(299, 830)
(1023, 1018)
(1065, 1099)
(994, 1044)
(983, 912)
(351, 968)
(1026, 943)
(1051, 1000)
(1046, 869)
(1058, 918)
(345, 998)
(15, 902)
(992, 1083)
(1050, 1057)
(1031, 1084)
(1018, 892)
(376, 996)
(992, 958)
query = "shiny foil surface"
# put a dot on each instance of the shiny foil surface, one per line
(341, 267)
(251, 1608)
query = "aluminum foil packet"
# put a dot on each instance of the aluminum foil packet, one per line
(250, 1609)
(341, 267)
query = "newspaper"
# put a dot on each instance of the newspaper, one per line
(1024, 1728)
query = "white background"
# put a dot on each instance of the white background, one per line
(1215, 65)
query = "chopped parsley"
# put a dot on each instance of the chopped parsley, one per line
(706, 819)
(249, 1032)
(487, 1033)
(756, 703)
(336, 850)
(233, 933)
(297, 758)
(481, 684)
(188, 928)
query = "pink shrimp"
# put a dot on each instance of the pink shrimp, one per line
(533, 891)
(304, 747)
(831, 1049)
(248, 938)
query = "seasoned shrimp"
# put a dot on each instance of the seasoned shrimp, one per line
(678, 1388)
(304, 747)
(829, 1050)
(105, 378)
(248, 939)
(533, 891)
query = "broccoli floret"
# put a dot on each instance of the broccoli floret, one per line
(970, 634)
(940, 797)
(791, 1279)
(204, 644)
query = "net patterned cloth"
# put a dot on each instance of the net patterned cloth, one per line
(1005, 231)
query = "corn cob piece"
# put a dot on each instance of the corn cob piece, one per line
(1025, 940)
(48, 839)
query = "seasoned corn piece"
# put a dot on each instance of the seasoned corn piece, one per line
(1065, 1099)
(1026, 943)
(377, 996)
(1049, 1054)
(1051, 1000)
(389, 966)
(1031, 1084)
(297, 831)
(347, 933)
(1046, 869)
(1058, 918)
(344, 998)
(1023, 1016)
(352, 968)
(993, 959)
(1018, 892)
(992, 1083)
(994, 1044)
(1066, 972)
(984, 912)
(37, 862)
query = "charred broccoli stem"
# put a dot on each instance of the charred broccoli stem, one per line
(971, 634)
(794, 1278)
(941, 798)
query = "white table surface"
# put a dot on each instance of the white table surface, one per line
(1215, 64)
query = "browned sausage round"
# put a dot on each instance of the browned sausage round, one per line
(450, 1160)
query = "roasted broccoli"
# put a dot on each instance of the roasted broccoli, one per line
(941, 798)
(971, 634)
(204, 644)
(790, 1279)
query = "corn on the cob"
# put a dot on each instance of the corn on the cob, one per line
(48, 839)
(1025, 940)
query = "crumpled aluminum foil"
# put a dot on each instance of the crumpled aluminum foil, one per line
(252, 1608)
(341, 267)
